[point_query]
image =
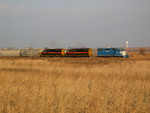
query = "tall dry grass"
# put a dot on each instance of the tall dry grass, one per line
(67, 85)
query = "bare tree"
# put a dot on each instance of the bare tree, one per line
(142, 51)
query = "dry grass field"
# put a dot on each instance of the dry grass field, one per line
(75, 85)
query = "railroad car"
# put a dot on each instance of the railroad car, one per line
(52, 53)
(78, 52)
(29, 52)
(10, 52)
(112, 52)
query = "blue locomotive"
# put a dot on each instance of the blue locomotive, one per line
(112, 52)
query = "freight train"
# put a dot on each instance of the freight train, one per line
(70, 52)
(20, 52)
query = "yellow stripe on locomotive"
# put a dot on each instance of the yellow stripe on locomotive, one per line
(90, 52)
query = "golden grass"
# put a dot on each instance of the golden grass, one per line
(74, 85)
(138, 54)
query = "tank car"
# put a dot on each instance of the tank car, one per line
(10, 52)
(29, 52)
(112, 52)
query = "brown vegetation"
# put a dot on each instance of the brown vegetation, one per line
(141, 51)
(74, 85)
(140, 56)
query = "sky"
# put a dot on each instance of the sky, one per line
(74, 23)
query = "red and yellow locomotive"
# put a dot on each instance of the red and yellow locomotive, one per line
(78, 52)
(52, 53)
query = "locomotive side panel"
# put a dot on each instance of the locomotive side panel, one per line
(106, 52)
(78, 52)
(52, 53)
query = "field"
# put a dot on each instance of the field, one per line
(75, 85)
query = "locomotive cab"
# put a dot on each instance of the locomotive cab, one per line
(124, 53)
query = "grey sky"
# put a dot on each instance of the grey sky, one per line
(77, 23)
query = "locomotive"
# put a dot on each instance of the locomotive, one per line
(52, 53)
(78, 52)
(112, 52)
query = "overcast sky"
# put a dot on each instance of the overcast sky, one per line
(74, 23)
